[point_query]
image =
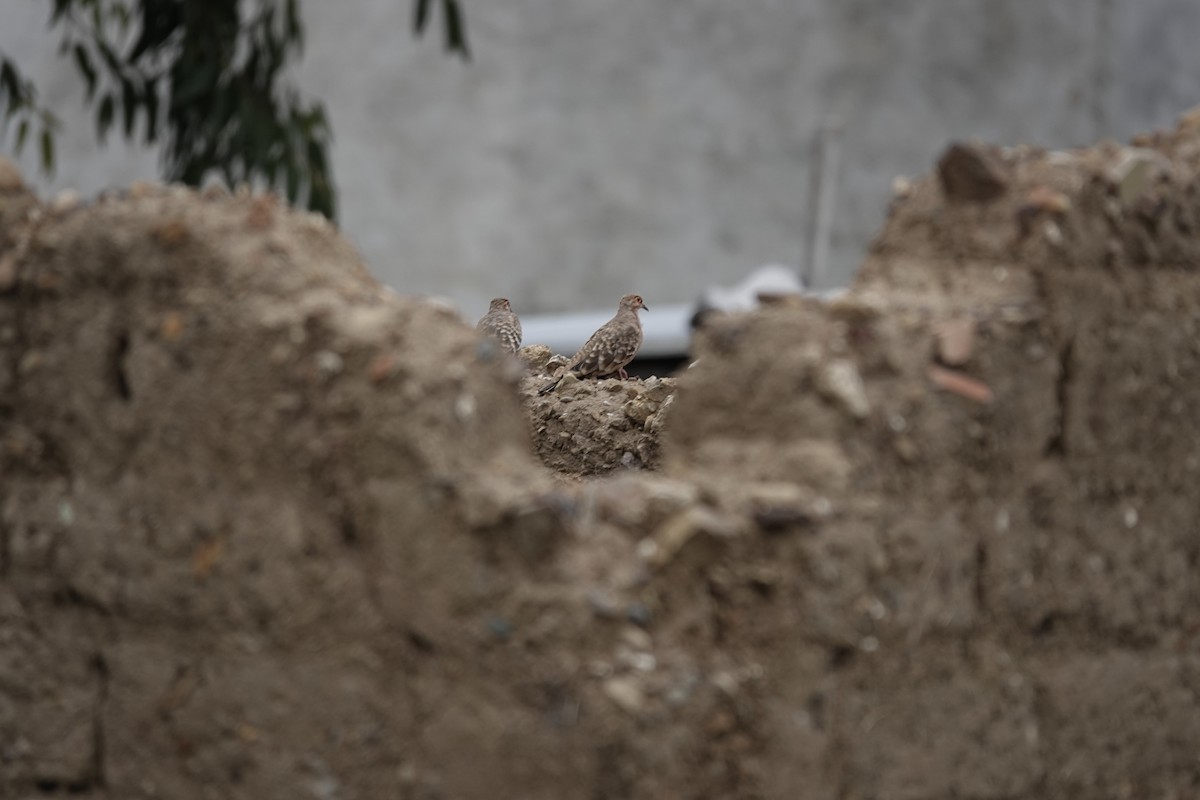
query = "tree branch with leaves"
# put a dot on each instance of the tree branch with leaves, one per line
(204, 80)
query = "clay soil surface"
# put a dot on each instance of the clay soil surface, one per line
(270, 530)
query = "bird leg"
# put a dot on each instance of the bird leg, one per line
(624, 375)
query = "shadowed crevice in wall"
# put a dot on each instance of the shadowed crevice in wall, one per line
(118, 352)
(1057, 444)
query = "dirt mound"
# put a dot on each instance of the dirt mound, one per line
(592, 427)
(237, 508)
(992, 440)
(270, 530)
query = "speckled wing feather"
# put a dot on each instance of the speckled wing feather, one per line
(502, 326)
(610, 348)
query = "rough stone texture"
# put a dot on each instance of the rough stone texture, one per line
(590, 427)
(267, 530)
(1090, 700)
(219, 538)
(1049, 534)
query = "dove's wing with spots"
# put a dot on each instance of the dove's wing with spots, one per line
(504, 327)
(609, 349)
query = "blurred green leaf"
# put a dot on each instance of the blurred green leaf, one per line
(60, 8)
(47, 150)
(109, 56)
(456, 30)
(293, 28)
(292, 175)
(223, 105)
(84, 64)
(207, 74)
(160, 19)
(321, 200)
(129, 105)
(422, 16)
(150, 99)
(197, 84)
(22, 135)
(9, 82)
(104, 116)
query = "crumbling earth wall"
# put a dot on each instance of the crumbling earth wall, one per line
(995, 434)
(269, 530)
(235, 467)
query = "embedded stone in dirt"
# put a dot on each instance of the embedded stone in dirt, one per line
(968, 173)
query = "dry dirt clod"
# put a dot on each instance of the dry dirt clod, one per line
(839, 380)
(956, 341)
(262, 211)
(1041, 200)
(1135, 172)
(647, 403)
(171, 328)
(172, 233)
(626, 691)
(30, 362)
(637, 638)
(778, 507)
(1052, 201)
(382, 367)
(328, 362)
(1189, 121)
(8, 272)
(969, 174)
(536, 357)
(697, 527)
(48, 281)
(64, 201)
(906, 449)
(960, 384)
(10, 176)
(604, 604)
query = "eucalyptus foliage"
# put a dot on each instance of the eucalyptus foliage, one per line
(202, 79)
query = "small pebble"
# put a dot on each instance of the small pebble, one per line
(638, 614)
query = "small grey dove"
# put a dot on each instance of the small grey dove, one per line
(611, 347)
(501, 323)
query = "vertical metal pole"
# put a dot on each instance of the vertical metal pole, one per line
(823, 199)
(1102, 71)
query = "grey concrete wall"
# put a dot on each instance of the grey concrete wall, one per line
(595, 147)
